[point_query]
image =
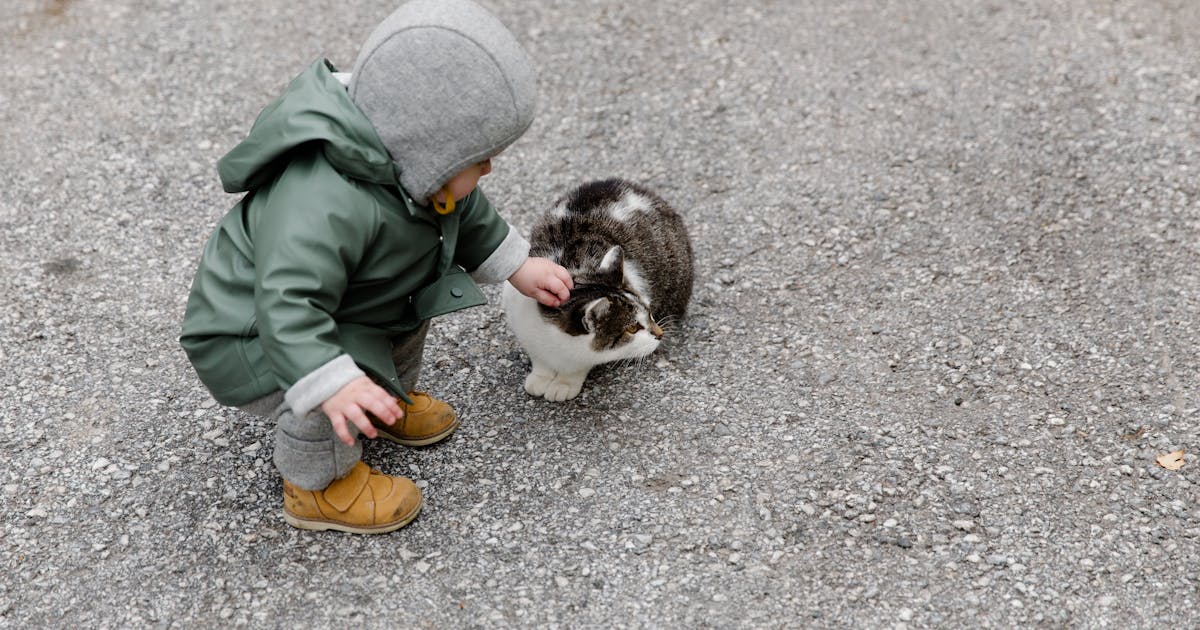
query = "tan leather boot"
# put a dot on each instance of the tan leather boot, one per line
(426, 422)
(365, 501)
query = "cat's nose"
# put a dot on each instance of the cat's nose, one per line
(656, 330)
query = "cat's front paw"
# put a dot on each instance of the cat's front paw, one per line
(563, 387)
(537, 382)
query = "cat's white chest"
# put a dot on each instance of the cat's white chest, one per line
(559, 361)
(544, 342)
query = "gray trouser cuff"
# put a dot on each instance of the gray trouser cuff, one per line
(307, 451)
(309, 454)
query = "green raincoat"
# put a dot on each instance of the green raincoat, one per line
(325, 255)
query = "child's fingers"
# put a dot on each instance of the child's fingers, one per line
(563, 292)
(360, 420)
(339, 428)
(547, 298)
(384, 407)
(392, 404)
(565, 276)
(558, 288)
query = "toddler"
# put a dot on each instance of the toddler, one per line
(360, 222)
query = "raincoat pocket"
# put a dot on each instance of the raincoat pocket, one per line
(453, 291)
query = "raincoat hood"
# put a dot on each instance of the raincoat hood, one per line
(314, 108)
(446, 85)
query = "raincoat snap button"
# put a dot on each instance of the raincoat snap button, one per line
(456, 292)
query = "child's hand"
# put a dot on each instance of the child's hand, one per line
(353, 400)
(543, 280)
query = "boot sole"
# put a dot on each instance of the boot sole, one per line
(317, 525)
(421, 441)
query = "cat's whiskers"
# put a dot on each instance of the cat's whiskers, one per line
(667, 322)
(632, 363)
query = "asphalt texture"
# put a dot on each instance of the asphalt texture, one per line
(945, 320)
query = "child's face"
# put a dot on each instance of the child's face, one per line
(465, 181)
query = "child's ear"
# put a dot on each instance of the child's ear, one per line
(595, 311)
(612, 266)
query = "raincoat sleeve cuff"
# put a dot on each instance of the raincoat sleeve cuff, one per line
(317, 386)
(504, 262)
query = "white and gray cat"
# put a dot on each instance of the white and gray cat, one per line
(629, 255)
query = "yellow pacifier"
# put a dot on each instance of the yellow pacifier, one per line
(448, 207)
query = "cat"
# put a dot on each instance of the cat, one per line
(629, 255)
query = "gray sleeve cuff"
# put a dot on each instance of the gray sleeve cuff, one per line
(505, 261)
(317, 386)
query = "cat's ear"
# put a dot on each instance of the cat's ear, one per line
(612, 266)
(595, 311)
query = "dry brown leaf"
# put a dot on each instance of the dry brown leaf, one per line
(1170, 461)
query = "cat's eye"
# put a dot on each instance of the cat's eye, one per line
(632, 329)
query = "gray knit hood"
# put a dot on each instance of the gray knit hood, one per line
(445, 85)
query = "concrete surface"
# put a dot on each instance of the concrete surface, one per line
(945, 319)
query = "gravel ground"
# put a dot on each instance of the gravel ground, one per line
(945, 319)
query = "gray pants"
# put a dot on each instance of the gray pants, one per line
(307, 452)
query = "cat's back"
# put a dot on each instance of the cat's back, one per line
(583, 224)
(612, 200)
(617, 211)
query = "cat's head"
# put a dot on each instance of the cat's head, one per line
(605, 306)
